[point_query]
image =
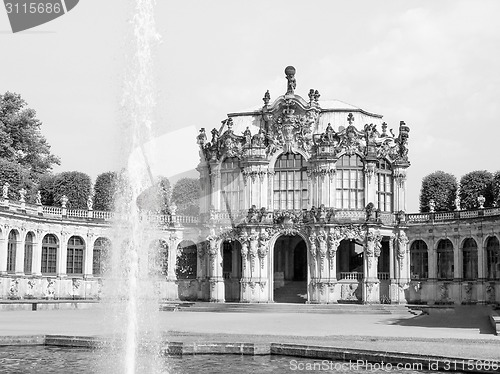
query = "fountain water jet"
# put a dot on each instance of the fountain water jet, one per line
(129, 288)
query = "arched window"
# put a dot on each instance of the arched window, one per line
(469, 251)
(290, 182)
(100, 255)
(384, 186)
(11, 252)
(492, 258)
(74, 261)
(49, 254)
(28, 253)
(158, 258)
(186, 266)
(232, 194)
(445, 268)
(419, 260)
(350, 191)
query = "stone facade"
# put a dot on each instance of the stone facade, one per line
(299, 194)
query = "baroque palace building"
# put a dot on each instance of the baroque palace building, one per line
(302, 200)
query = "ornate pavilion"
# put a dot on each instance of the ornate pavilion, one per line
(302, 200)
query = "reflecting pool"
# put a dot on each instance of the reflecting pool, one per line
(56, 360)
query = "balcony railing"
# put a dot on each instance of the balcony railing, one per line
(257, 217)
(451, 216)
(352, 275)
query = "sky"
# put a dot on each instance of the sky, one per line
(433, 64)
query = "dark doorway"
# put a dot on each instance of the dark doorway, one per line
(290, 270)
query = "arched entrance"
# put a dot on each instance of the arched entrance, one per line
(231, 269)
(290, 270)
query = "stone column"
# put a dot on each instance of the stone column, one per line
(19, 267)
(334, 239)
(370, 184)
(215, 182)
(36, 265)
(62, 255)
(245, 292)
(270, 188)
(265, 270)
(399, 188)
(371, 283)
(216, 278)
(88, 267)
(481, 271)
(4, 242)
(403, 268)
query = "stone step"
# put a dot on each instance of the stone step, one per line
(293, 308)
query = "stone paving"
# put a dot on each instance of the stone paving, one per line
(461, 332)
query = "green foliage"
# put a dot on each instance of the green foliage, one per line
(75, 185)
(21, 141)
(474, 184)
(156, 198)
(186, 263)
(17, 177)
(440, 187)
(46, 188)
(104, 191)
(186, 195)
(496, 188)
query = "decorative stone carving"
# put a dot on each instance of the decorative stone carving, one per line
(402, 248)
(5, 191)
(64, 200)
(334, 239)
(370, 171)
(38, 198)
(432, 206)
(312, 248)
(263, 249)
(22, 195)
(14, 289)
(481, 200)
(444, 293)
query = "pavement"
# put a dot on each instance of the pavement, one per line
(462, 332)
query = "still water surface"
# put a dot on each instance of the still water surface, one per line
(56, 360)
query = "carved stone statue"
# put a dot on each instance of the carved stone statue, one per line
(64, 201)
(172, 209)
(5, 190)
(457, 203)
(267, 98)
(248, 136)
(215, 136)
(481, 200)
(370, 212)
(290, 76)
(90, 202)
(202, 137)
(432, 205)
(22, 195)
(38, 198)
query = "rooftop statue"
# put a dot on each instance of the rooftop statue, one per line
(290, 76)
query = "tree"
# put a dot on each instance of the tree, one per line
(156, 198)
(104, 191)
(186, 195)
(76, 186)
(474, 184)
(496, 188)
(440, 187)
(17, 177)
(21, 141)
(46, 188)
